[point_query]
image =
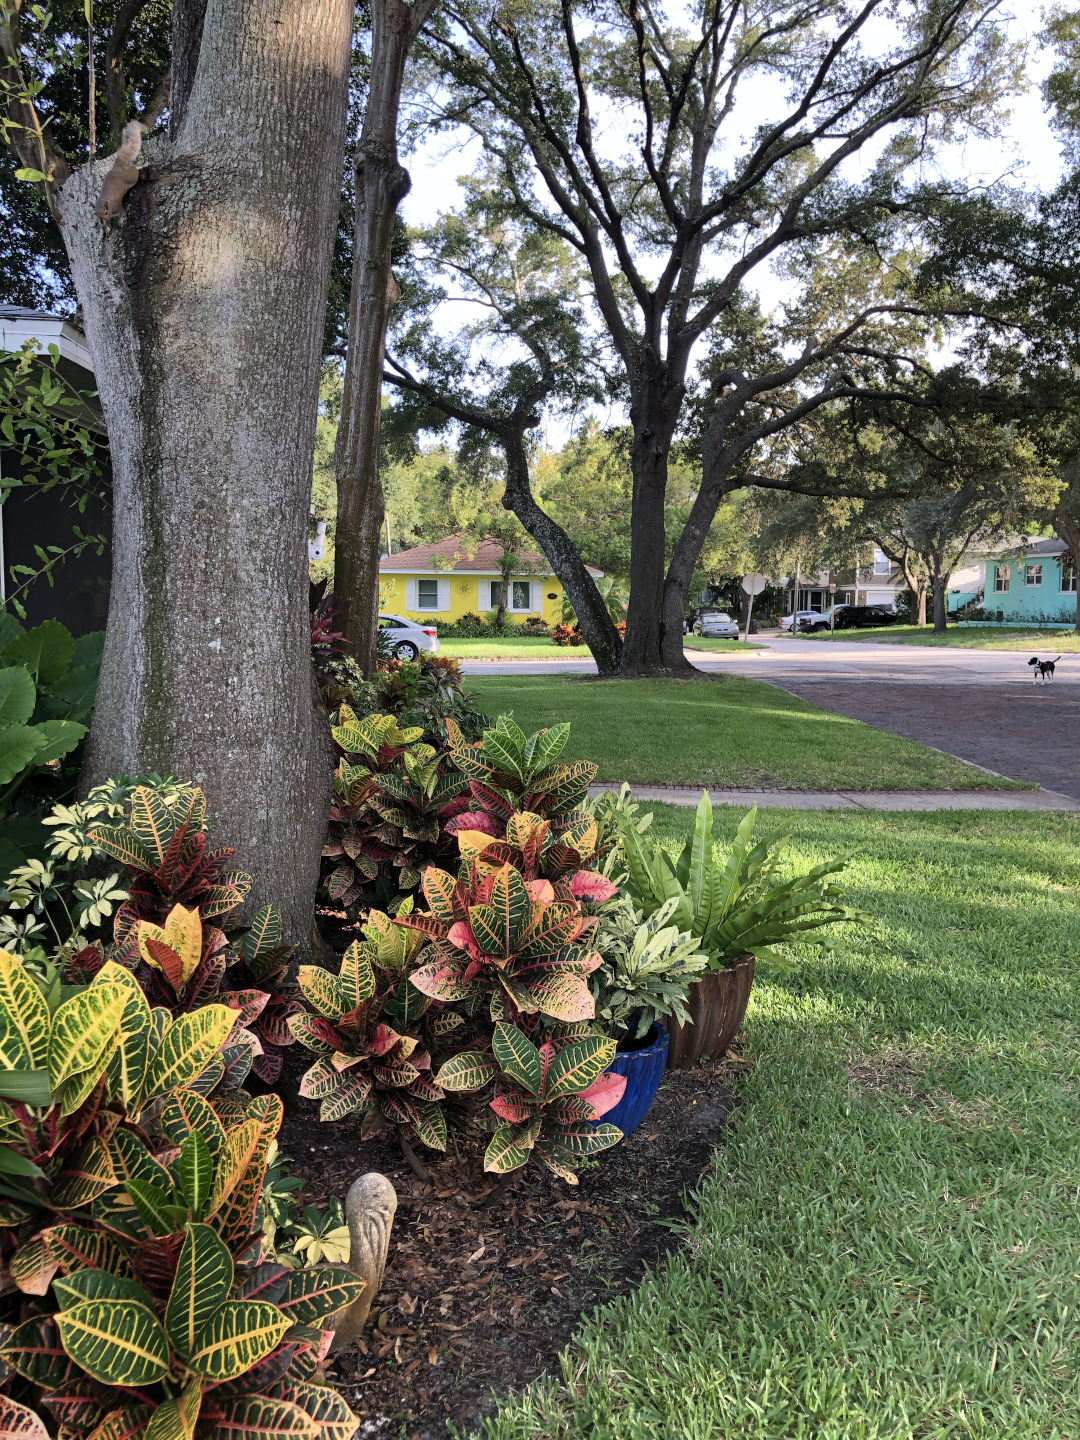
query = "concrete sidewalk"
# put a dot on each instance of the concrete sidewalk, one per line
(689, 795)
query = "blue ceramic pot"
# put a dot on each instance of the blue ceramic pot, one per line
(644, 1069)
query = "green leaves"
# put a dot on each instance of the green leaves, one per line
(237, 1337)
(195, 1173)
(17, 695)
(46, 652)
(467, 1072)
(83, 1029)
(203, 1280)
(119, 1342)
(738, 907)
(577, 1065)
(518, 1057)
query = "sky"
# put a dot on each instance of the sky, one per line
(1026, 154)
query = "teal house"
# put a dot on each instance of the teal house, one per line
(1034, 581)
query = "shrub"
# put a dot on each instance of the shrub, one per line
(738, 907)
(168, 1318)
(509, 772)
(547, 1099)
(499, 937)
(392, 795)
(163, 935)
(421, 693)
(47, 685)
(365, 1066)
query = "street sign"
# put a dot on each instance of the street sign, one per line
(832, 587)
(753, 583)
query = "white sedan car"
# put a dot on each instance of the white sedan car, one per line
(407, 638)
(790, 623)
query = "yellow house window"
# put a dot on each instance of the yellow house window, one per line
(427, 594)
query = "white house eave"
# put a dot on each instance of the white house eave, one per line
(45, 331)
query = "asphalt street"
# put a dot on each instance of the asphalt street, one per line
(837, 660)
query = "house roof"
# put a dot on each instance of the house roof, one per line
(18, 324)
(451, 556)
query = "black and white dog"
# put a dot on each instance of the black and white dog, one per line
(1044, 669)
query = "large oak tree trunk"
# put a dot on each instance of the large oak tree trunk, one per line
(654, 415)
(204, 311)
(382, 182)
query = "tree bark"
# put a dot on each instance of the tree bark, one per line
(940, 614)
(561, 553)
(204, 309)
(650, 625)
(382, 182)
(504, 588)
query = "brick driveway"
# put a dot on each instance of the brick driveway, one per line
(1028, 732)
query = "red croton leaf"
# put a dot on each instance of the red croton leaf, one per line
(172, 967)
(471, 820)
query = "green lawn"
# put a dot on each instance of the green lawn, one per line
(725, 647)
(721, 732)
(1007, 638)
(525, 647)
(887, 1248)
(539, 647)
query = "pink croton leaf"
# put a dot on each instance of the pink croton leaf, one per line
(591, 885)
(604, 1093)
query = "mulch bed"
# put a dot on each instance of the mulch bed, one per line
(479, 1301)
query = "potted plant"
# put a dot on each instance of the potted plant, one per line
(649, 967)
(736, 911)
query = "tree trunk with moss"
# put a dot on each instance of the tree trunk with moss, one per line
(203, 308)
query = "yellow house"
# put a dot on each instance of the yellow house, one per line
(443, 582)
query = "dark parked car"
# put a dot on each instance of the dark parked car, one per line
(864, 617)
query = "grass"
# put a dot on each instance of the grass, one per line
(1007, 638)
(525, 647)
(721, 732)
(539, 647)
(887, 1248)
(725, 647)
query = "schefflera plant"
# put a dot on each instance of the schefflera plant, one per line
(367, 1062)
(168, 1325)
(548, 1098)
(500, 937)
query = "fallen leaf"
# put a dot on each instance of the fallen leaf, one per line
(407, 1303)
(368, 1373)
(558, 1292)
(476, 1254)
(432, 1355)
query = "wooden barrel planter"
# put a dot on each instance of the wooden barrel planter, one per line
(717, 1004)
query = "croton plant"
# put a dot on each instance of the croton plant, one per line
(136, 1296)
(168, 932)
(392, 798)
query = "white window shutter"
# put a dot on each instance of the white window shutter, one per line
(444, 594)
(410, 595)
